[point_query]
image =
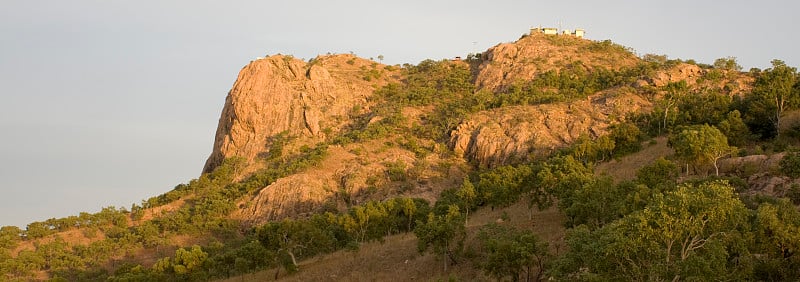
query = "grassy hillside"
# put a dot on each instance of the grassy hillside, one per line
(639, 200)
(396, 257)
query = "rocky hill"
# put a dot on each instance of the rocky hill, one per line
(312, 100)
(498, 136)
(315, 101)
(284, 94)
(533, 54)
(319, 156)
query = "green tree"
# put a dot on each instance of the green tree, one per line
(627, 138)
(595, 203)
(9, 236)
(790, 164)
(292, 239)
(701, 144)
(372, 221)
(727, 63)
(775, 91)
(186, 261)
(687, 220)
(561, 178)
(443, 234)
(658, 174)
(38, 229)
(410, 209)
(735, 129)
(503, 185)
(777, 236)
(163, 265)
(149, 235)
(666, 108)
(26, 262)
(511, 252)
(680, 235)
(56, 254)
(590, 151)
(655, 58)
(706, 107)
(467, 194)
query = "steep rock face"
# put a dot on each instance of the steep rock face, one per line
(497, 136)
(283, 94)
(686, 72)
(522, 60)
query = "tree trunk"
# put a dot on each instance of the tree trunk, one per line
(294, 261)
(669, 250)
(444, 257)
(778, 111)
(540, 265)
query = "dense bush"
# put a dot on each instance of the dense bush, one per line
(682, 107)
(776, 91)
(292, 240)
(508, 251)
(570, 83)
(790, 164)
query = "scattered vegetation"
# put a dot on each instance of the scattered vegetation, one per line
(656, 226)
(209, 201)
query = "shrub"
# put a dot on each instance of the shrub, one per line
(659, 173)
(790, 165)
(794, 194)
(396, 171)
(627, 138)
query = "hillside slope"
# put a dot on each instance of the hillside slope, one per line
(365, 152)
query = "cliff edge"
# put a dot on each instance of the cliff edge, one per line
(278, 94)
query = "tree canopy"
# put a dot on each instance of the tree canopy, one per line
(512, 252)
(681, 235)
(775, 91)
(443, 234)
(701, 145)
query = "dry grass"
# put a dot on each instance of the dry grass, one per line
(155, 212)
(397, 259)
(626, 167)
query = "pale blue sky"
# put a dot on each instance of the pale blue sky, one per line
(111, 102)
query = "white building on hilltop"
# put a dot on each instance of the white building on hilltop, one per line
(554, 31)
(550, 30)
